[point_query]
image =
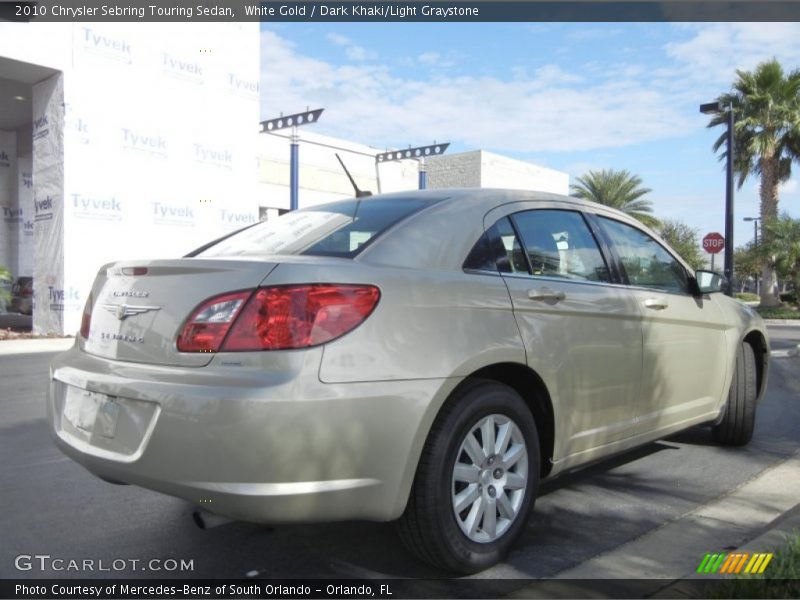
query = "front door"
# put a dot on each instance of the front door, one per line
(684, 335)
(581, 333)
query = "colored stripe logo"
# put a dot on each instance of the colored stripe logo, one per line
(735, 563)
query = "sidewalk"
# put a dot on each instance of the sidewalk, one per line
(753, 517)
(36, 345)
(783, 322)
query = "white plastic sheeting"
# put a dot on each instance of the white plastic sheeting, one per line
(150, 152)
(24, 265)
(48, 205)
(9, 214)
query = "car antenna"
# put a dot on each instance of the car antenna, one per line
(359, 193)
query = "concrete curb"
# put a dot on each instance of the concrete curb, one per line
(786, 353)
(8, 347)
(783, 322)
(770, 541)
(662, 558)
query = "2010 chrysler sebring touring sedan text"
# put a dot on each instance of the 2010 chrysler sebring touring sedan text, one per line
(423, 356)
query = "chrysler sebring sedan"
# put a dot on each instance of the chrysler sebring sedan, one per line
(425, 357)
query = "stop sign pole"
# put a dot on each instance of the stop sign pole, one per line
(713, 243)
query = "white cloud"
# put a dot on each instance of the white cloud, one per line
(553, 110)
(714, 51)
(339, 40)
(358, 53)
(353, 51)
(789, 187)
(599, 33)
(429, 58)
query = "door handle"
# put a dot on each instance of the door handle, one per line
(546, 295)
(655, 303)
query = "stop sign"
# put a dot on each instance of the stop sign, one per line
(713, 243)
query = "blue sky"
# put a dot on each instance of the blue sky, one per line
(571, 96)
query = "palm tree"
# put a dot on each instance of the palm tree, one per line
(617, 189)
(766, 110)
(782, 245)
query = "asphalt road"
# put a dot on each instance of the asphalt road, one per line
(52, 506)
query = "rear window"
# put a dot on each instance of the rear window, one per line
(337, 229)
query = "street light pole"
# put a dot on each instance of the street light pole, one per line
(294, 170)
(294, 121)
(755, 221)
(717, 108)
(729, 205)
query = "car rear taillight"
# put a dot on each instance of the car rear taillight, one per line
(208, 325)
(86, 318)
(290, 317)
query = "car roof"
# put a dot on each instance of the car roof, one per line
(441, 235)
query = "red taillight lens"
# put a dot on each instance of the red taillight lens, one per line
(209, 323)
(299, 316)
(86, 318)
(281, 318)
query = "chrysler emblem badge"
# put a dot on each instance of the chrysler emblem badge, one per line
(123, 311)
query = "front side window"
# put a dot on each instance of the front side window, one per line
(645, 262)
(559, 244)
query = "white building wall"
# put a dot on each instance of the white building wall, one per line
(159, 129)
(321, 177)
(488, 170)
(507, 173)
(462, 169)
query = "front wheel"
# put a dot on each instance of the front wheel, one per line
(475, 482)
(736, 427)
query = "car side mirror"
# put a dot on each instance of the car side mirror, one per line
(708, 282)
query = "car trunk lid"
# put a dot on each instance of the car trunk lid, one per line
(140, 306)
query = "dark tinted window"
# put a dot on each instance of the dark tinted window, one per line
(481, 256)
(645, 262)
(512, 255)
(326, 230)
(489, 252)
(559, 244)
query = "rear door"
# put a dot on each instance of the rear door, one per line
(581, 332)
(684, 335)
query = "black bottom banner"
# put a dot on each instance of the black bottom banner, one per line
(185, 589)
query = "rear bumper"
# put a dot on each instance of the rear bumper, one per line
(252, 444)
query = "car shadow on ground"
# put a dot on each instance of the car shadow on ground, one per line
(379, 552)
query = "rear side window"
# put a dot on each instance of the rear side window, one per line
(336, 229)
(646, 263)
(498, 249)
(559, 244)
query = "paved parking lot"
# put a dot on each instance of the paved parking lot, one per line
(52, 506)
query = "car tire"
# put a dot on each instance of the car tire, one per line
(503, 485)
(738, 422)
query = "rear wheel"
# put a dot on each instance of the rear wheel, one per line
(476, 480)
(736, 427)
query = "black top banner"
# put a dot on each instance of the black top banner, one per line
(278, 11)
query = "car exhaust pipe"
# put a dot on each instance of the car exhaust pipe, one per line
(206, 520)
